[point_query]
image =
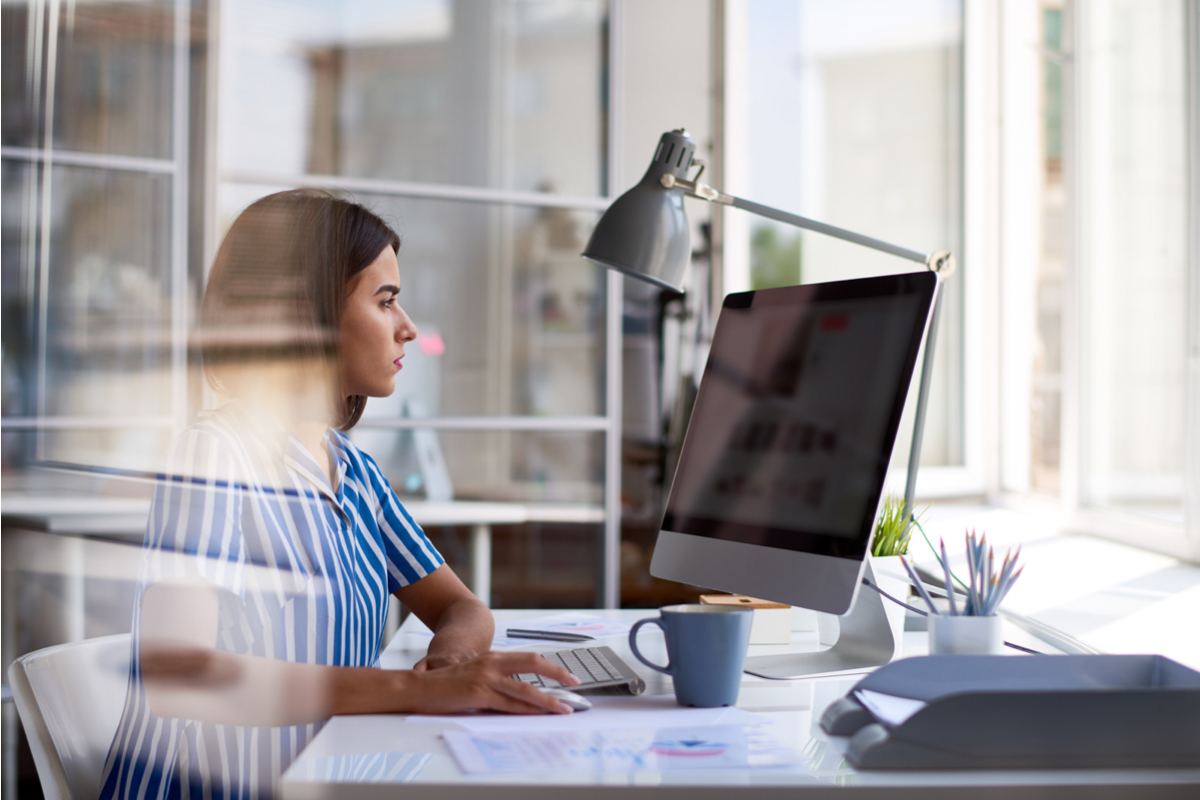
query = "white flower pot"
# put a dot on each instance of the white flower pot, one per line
(965, 636)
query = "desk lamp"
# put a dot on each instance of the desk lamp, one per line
(644, 234)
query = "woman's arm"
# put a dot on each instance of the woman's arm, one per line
(184, 676)
(462, 625)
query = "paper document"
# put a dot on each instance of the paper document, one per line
(607, 712)
(888, 709)
(695, 747)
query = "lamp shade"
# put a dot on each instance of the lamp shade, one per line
(644, 233)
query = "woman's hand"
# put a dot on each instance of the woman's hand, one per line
(443, 660)
(484, 683)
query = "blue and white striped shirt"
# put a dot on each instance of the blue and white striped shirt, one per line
(303, 572)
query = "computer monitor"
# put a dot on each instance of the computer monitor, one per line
(789, 442)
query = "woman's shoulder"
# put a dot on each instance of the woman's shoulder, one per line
(213, 441)
(363, 471)
(358, 462)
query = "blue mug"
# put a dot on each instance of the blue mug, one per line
(706, 649)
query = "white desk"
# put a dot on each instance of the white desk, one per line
(794, 708)
(481, 516)
(126, 518)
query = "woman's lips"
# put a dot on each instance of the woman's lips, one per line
(397, 363)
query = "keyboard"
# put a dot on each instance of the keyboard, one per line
(596, 668)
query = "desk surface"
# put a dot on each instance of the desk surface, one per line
(417, 757)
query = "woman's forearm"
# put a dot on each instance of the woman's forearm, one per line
(463, 631)
(462, 625)
(212, 686)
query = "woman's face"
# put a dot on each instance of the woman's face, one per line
(374, 329)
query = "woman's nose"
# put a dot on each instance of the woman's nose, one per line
(407, 330)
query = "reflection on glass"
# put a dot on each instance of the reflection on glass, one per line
(20, 112)
(102, 71)
(18, 194)
(503, 94)
(112, 463)
(1133, 172)
(108, 294)
(855, 120)
(512, 466)
(512, 318)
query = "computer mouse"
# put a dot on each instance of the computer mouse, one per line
(577, 702)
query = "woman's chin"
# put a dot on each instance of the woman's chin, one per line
(383, 390)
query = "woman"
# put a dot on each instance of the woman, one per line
(274, 542)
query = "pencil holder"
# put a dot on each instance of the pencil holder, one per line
(976, 636)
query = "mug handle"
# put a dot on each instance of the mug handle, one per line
(633, 644)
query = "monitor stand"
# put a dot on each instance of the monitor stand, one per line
(866, 640)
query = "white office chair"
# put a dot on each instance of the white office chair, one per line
(70, 698)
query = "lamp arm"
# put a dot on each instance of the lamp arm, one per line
(941, 261)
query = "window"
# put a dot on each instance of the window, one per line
(1133, 255)
(851, 114)
(1051, 144)
(484, 134)
(1099, 271)
(96, 268)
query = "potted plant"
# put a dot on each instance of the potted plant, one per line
(889, 542)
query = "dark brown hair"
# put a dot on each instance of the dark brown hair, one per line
(280, 279)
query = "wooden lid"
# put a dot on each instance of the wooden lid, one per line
(739, 600)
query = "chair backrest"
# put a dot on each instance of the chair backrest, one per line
(70, 699)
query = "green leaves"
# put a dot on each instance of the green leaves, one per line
(892, 530)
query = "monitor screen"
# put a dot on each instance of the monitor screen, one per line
(792, 431)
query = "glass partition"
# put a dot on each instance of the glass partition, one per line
(504, 95)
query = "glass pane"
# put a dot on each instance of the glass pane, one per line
(20, 204)
(84, 459)
(23, 75)
(112, 76)
(511, 317)
(113, 87)
(108, 294)
(519, 466)
(1133, 174)
(504, 94)
(856, 121)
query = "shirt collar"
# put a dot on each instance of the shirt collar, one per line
(273, 433)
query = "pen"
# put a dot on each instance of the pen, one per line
(552, 636)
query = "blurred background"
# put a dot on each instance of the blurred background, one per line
(1052, 145)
